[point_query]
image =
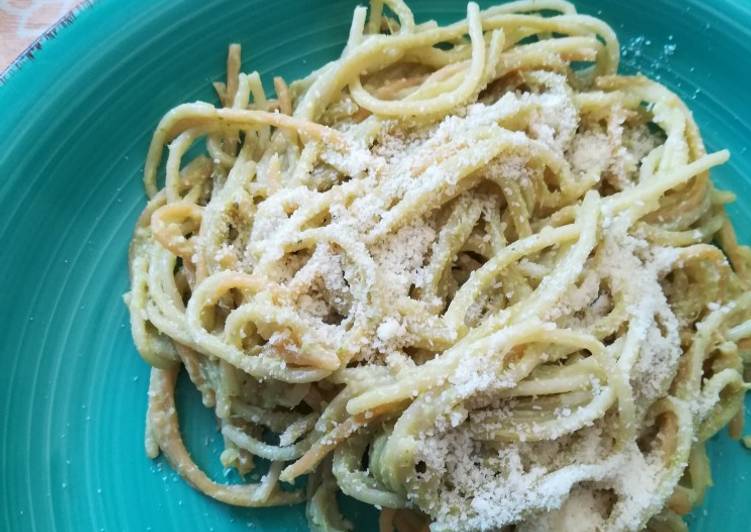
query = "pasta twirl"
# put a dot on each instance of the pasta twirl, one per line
(466, 273)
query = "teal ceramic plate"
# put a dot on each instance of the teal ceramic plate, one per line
(75, 120)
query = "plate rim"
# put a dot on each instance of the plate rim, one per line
(28, 54)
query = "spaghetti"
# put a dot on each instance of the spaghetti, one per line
(465, 273)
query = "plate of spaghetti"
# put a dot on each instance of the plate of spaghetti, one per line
(425, 266)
